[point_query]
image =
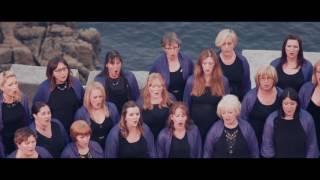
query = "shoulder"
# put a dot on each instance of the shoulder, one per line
(276, 62)
(190, 80)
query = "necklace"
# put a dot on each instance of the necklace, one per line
(231, 138)
(62, 87)
(115, 82)
(11, 105)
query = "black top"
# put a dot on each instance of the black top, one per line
(231, 144)
(289, 139)
(203, 111)
(180, 148)
(295, 80)
(137, 149)
(234, 73)
(156, 118)
(118, 91)
(259, 114)
(176, 85)
(101, 131)
(314, 110)
(13, 116)
(55, 144)
(64, 104)
(86, 156)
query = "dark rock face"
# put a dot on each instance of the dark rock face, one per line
(36, 43)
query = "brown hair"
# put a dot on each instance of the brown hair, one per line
(79, 127)
(166, 101)
(23, 134)
(123, 123)
(52, 65)
(216, 82)
(173, 110)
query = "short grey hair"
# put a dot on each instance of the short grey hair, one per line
(169, 38)
(229, 102)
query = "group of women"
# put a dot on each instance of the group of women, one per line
(185, 110)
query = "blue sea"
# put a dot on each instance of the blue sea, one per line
(139, 42)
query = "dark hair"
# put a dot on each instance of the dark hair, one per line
(293, 95)
(37, 106)
(110, 57)
(52, 65)
(300, 53)
(23, 134)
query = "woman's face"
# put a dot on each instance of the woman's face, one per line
(207, 65)
(10, 87)
(61, 73)
(83, 141)
(179, 119)
(43, 117)
(96, 99)
(28, 147)
(155, 89)
(172, 50)
(292, 48)
(229, 116)
(114, 68)
(132, 117)
(266, 82)
(228, 46)
(289, 107)
(318, 74)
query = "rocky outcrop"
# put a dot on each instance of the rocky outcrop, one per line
(36, 43)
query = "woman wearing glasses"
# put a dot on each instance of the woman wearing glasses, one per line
(61, 91)
(174, 66)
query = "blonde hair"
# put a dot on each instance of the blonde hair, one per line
(314, 77)
(4, 76)
(216, 82)
(223, 35)
(229, 102)
(79, 127)
(86, 100)
(123, 123)
(166, 101)
(269, 71)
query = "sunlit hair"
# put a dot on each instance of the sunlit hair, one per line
(79, 127)
(166, 101)
(23, 134)
(268, 71)
(300, 57)
(314, 74)
(4, 76)
(223, 35)
(227, 103)
(216, 82)
(173, 109)
(170, 38)
(123, 122)
(52, 65)
(86, 100)
(111, 57)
